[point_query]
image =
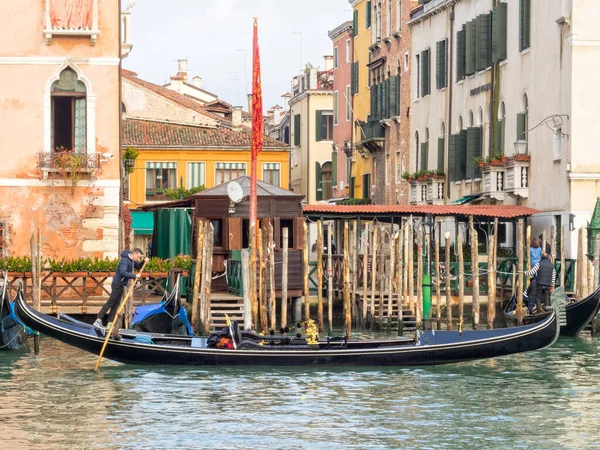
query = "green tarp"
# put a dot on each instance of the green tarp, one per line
(142, 222)
(172, 233)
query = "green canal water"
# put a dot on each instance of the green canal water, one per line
(548, 399)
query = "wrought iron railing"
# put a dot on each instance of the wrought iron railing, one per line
(68, 161)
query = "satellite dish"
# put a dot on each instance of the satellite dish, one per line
(235, 192)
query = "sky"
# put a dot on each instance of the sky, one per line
(216, 38)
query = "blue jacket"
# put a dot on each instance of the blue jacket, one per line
(124, 272)
(535, 255)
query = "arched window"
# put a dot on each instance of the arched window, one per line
(500, 129)
(460, 123)
(471, 120)
(523, 119)
(425, 151)
(417, 152)
(326, 180)
(69, 118)
(441, 147)
(488, 130)
(479, 122)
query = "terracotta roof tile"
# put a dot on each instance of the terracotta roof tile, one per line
(129, 72)
(148, 133)
(500, 211)
(174, 96)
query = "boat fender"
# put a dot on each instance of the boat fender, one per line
(144, 340)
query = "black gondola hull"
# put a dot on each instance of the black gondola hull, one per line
(433, 348)
(579, 314)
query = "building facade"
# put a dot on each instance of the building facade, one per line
(342, 37)
(501, 103)
(59, 91)
(311, 112)
(386, 133)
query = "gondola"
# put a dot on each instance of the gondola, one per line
(13, 335)
(579, 313)
(428, 348)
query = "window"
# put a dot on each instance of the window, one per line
(355, 22)
(499, 129)
(286, 135)
(425, 151)
(297, 129)
(441, 147)
(388, 168)
(523, 119)
(425, 73)
(160, 176)
(441, 73)
(367, 15)
(348, 104)
(399, 15)
(348, 51)
(225, 172)
(335, 107)
(196, 174)
(335, 57)
(324, 125)
(354, 78)
(416, 150)
(406, 59)
(398, 167)
(366, 181)
(69, 122)
(471, 119)
(271, 173)
(418, 66)
(524, 24)
(326, 181)
(217, 232)
(389, 18)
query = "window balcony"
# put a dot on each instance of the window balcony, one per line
(418, 192)
(373, 136)
(517, 176)
(435, 190)
(63, 164)
(493, 182)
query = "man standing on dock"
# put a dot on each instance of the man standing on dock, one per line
(124, 273)
(546, 277)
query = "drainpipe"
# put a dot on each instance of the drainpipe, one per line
(449, 117)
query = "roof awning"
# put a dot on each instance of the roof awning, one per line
(465, 199)
(142, 222)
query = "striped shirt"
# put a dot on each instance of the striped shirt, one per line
(534, 270)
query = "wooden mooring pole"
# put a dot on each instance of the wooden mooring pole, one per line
(373, 274)
(347, 306)
(252, 271)
(320, 274)
(491, 313)
(563, 267)
(438, 282)
(35, 244)
(306, 273)
(262, 272)
(399, 278)
(272, 293)
(520, 274)
(381, 274)
(329, 279)
(365, 276)
(284, 277)
(419, 308)
(197, 273)
(461, 278)
(448, 286)
(475, 271)
(411, 267)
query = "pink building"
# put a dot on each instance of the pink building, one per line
(60, 113)
(342, 110)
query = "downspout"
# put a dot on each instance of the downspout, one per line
(449, 117)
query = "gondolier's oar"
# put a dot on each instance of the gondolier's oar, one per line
(112, 324)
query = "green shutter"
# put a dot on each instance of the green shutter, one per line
(470, 48)
(499, 24)
(319, 188)
(483, 42)
(353, 78)
(385, 99)
(452, 149)
(473, 150)
(352, 184)
(524, 24)
(355, 23)
(461, 155)
(521, 126)
(379, 105)
(461, 50)
(366, 185)
(393, 110)
(441, 78)
(373, 97)
(499, 137)
(319, 124)
(425, 156)
(297, 129)
(440, 155)
(368, 13)
(426, 72)
(356, 77)
(334, 167)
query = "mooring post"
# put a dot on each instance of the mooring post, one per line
(347, 306)
(461, 278)
(329, 279)
(284, 278)
(306, 273)
(563, 267)
(272, 293)
(365, 276)
(521, 275)
(448, 286)
(475, 271)
(320, 274)
(373, 273)
(438, 282)
(420, 305)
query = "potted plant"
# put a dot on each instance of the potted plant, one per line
(439, 174)
(408, 176)
(497, 159)
(420, 175)
(479, 161)
(521, 157)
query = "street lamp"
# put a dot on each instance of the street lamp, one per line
(554, 122)
(429, 236)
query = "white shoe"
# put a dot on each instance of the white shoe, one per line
(98, 324)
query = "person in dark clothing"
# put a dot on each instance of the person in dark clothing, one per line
(546, 277)
(124, 273)
(548, 248)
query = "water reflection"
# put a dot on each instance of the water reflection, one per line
(547, 399)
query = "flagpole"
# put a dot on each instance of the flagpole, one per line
(257, 138)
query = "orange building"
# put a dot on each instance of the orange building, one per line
(59, 90)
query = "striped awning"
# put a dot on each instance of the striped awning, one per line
(270, 166)
(239, 166)
(161, 165)
(195, 174)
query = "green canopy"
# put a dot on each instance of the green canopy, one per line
(142, 222)
(172, 232)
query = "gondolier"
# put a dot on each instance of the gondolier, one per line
(545, 277)
(124, 273)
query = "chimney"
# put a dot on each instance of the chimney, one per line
(286, 101)
(276, 115)
(197, 81)
(182, 69)
(328, 62)
(176, 83)
(250, 102)
(236, 116)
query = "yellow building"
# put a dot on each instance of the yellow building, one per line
(175, 156)
(361, 178)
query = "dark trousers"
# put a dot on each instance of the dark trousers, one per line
(113, 303)
(542, 294)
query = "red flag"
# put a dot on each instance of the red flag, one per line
(257, 108)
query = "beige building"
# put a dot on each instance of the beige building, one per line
(487, 74)
(311, 112)
(179, 83)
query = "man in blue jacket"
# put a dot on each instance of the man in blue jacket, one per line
(124, 273)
